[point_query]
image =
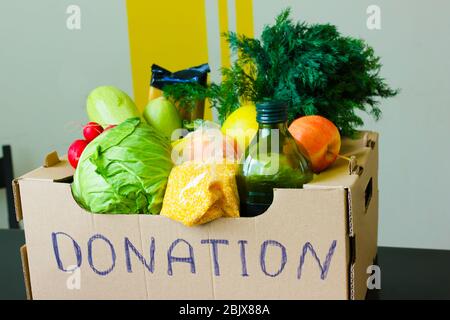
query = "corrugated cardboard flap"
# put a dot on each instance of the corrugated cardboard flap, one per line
(17, 203)
(51, 171)
(26, 271)
(338, 175)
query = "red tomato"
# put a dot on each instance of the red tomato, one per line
(75, 150)
(91, 131)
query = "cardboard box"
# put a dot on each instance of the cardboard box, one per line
(312, 243)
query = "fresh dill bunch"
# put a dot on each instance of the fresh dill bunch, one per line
(313, 68)
(186, 95)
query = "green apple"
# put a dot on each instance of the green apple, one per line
(163, 116)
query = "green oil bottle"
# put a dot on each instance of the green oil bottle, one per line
(272, 160)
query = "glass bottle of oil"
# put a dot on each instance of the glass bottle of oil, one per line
(272, 160)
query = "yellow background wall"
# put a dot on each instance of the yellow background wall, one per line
(174, 34)
(169, 33)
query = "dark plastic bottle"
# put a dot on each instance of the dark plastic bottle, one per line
(272, 160)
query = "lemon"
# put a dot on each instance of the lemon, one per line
(241, 125)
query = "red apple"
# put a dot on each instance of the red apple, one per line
(318, 139)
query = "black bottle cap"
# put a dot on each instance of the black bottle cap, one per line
(274, 111)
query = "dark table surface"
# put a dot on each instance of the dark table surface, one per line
(405, 273)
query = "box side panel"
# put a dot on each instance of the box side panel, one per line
(297, 249)
(364, 210)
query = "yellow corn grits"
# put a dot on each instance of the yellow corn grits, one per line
(199, 192)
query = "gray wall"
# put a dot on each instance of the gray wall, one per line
(47, 71)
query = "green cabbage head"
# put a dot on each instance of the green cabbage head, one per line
(124, 170)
